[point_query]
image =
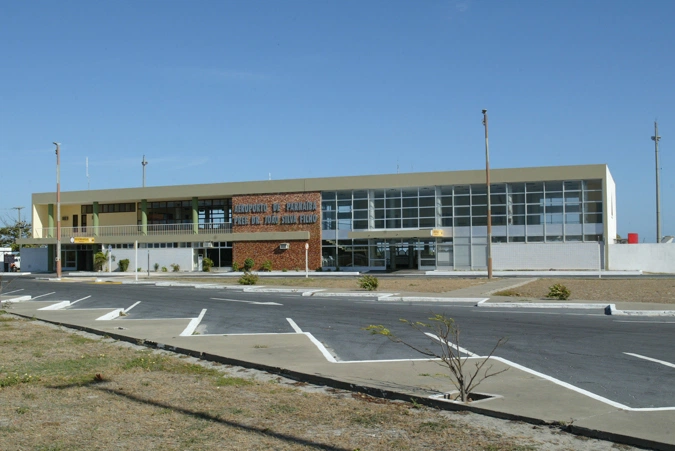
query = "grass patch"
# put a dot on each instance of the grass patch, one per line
(229, 381)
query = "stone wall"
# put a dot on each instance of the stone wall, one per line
(289, 212)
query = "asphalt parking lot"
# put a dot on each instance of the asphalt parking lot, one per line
(624, 359)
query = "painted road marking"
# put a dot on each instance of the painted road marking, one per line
(457, 348)
(46, 294)
(648, 322)
(246, 302)
(10, 292)
(294, 326)
(192, 326)
(74, 302)
(662, 362)
(134, 305)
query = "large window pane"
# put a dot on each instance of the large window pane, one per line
(593, 185)
(361, 204)
(427, 212)
(462, 200)
(393, 203)
(427, 202)
(462, 222)
(535, 198)
(534, 187)
(409, 202)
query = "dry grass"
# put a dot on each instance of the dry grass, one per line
(661, 291)
(63, 391)
(386, 284)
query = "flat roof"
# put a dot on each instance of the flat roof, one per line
(380, 181)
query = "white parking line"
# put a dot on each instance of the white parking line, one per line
(246, 302)
(74, 302)
(458, 348)
(662, 362)
(46, 294)
(192, 326)
(294, 326)
(134, 305)
(15, 291)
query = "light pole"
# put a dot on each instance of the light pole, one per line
(489, 203)
(656, 138)
(58, 210)
(144, 163)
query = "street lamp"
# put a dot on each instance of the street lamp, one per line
(144, 163)
(58, 210)
(489, 203)
(656, 138)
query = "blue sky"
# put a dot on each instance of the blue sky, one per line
(219, 91)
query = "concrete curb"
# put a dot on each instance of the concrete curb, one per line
(427, 299)
(612, 310)
(484, 303)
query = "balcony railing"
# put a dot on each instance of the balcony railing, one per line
(136, 230)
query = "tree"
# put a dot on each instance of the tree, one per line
(444, 330)
(13, 230)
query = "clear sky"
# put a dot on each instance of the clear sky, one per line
(220, 91)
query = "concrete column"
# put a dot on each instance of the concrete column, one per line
(95, 214)
(50, 223)
(195, 215)
(144, 216)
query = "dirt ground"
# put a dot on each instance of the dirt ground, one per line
(386, 284)
(657, 290)
(61, 390)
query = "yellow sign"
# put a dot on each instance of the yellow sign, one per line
(83, 240)
(437, 232)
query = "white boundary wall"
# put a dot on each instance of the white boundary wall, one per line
(34, 259)
(164, 257)
(647, 257)
(546, 256)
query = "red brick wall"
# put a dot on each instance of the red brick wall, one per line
(259, 251)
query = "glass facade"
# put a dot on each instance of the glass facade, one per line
(532, 212)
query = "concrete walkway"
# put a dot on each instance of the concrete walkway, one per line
(521, 394)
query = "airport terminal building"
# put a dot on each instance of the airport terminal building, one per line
(542, 218)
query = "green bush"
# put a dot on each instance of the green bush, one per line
(267, 266)
(248, 279)
(235, 266)
(369, 283)
(207, 264)
(248, 264)
(175, 267)
(139, 269)
(123, 265)
(559, 291)
(156, 266)
(100, 259)
(164, 269)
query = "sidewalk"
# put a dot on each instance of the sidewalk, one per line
(522, 394)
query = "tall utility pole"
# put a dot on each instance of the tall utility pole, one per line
(656, 138)
(19, 210)
(489, 202)
(58, 210)
(144, 163)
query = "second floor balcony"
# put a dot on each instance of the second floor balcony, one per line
(135, 230)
